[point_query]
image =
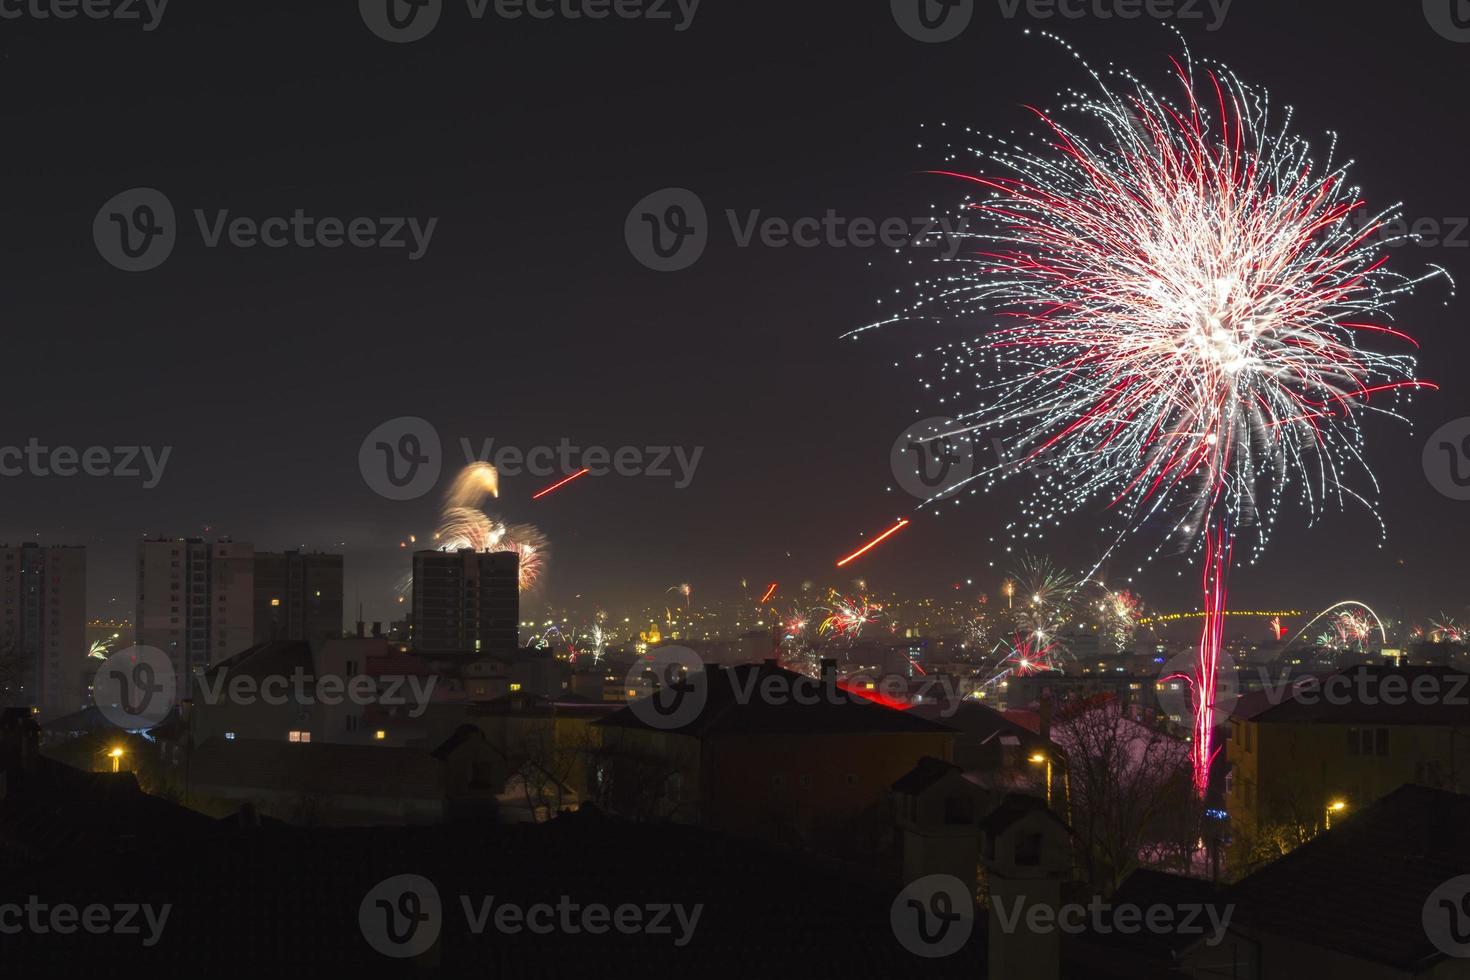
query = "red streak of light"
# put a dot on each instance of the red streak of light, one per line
(877, 697)
(561, 483)
(769, 592)
(903, 523)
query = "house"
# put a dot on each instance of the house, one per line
(1357, 902)
(321, 783)
(1332, 743)
(995, 750)
(1027, 853)
(937, 809)
(772, 754)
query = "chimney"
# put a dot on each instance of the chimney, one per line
(361, 629)
(1045, 714)
(377, 630)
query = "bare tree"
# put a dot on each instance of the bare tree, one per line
(1130, 789)
(549, 770)
(634, 782)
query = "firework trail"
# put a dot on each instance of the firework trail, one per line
(1189, 297)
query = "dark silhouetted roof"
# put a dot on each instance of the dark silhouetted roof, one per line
(735, 707)
(1360, 888)
(928, 772)
(1303, 701)
(364, 771)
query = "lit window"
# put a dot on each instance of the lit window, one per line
(299, 737)
(229, 736)
(515, 687)
(380, 735)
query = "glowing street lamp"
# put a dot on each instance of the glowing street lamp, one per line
(116, 756)
(1336, 806)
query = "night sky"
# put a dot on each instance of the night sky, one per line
(528, 320)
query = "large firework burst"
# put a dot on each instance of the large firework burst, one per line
(464, 524)
(1189, 298)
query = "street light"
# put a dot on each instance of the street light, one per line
(1336, 806)
(116, 756)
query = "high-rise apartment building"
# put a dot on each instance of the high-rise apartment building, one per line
(43, 623)
(196, 601)
(466, 600)
(298, 597)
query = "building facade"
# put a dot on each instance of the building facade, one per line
(43, 623)
(195, 601)
(466, 600)
(1329, 745)
(297, 597)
